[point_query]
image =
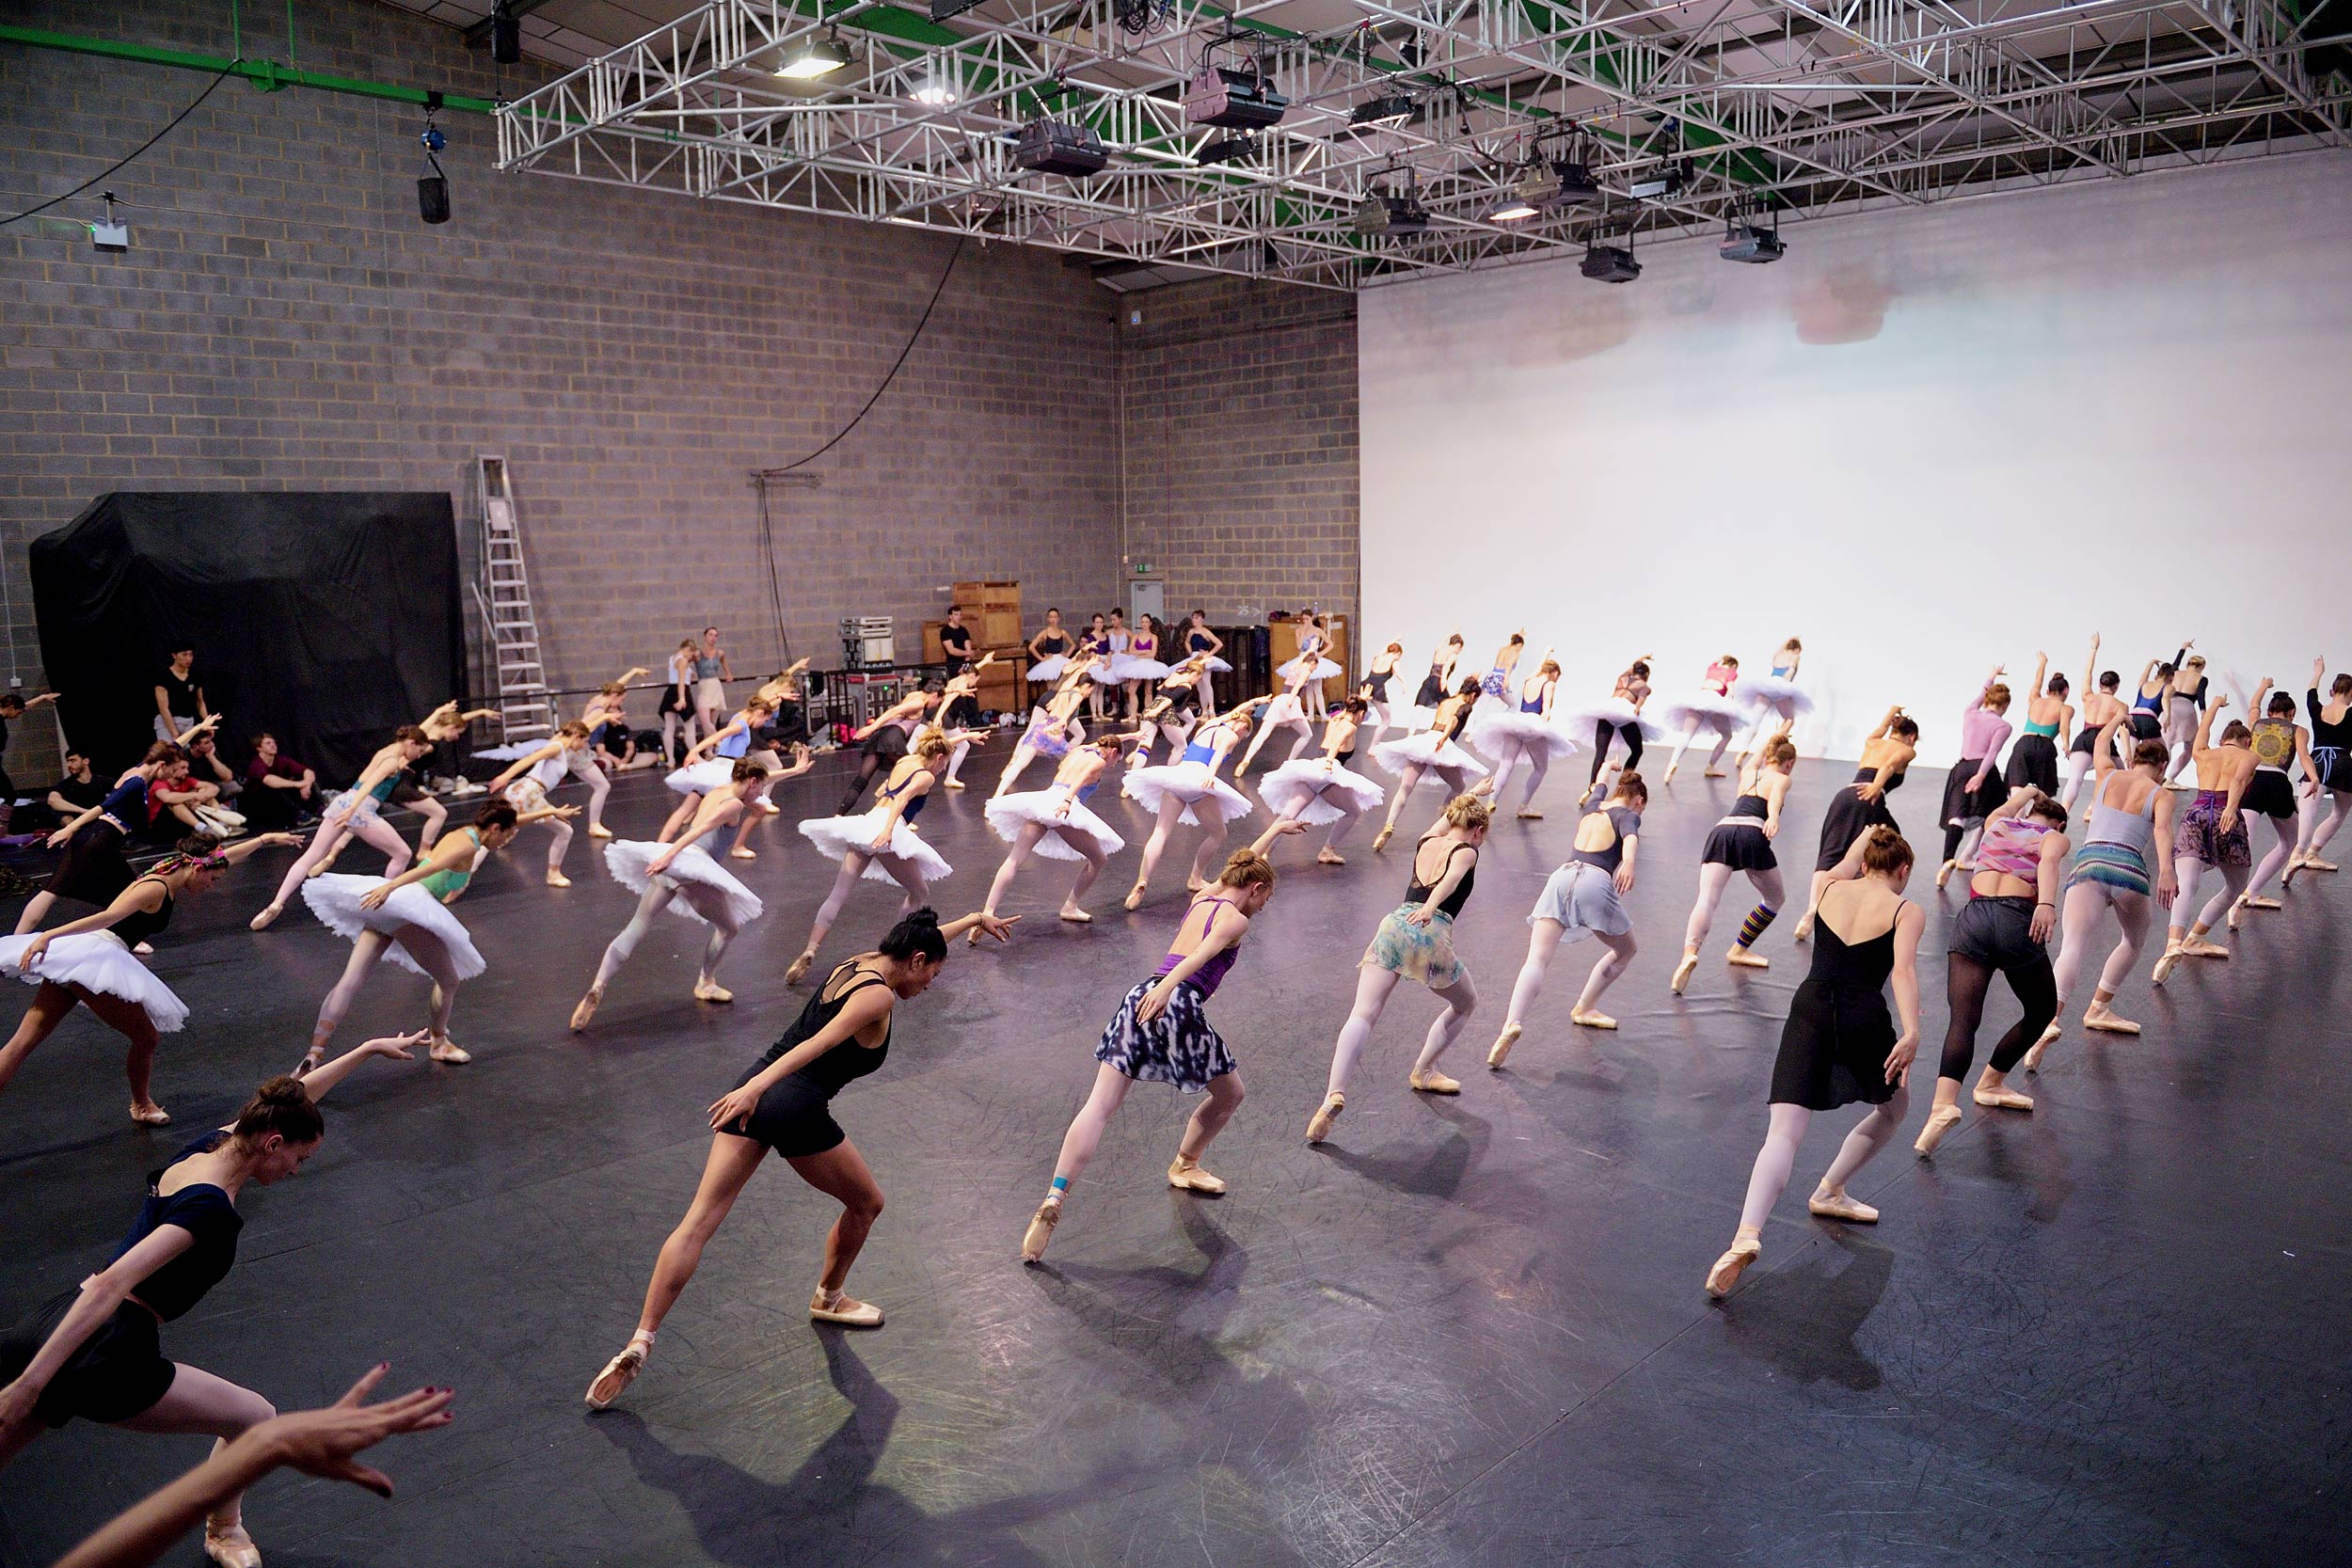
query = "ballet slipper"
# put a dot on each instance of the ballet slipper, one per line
(1592, 1018)
(1841, 1206)
(1940, 1121)
(1529, 814)
(741, 853)
(2237, 912)
(2295, 864)
(957, 784)
(587, 1008)
(2001, 1099)
(557, 878)
(148, 1114)
(1732, 1264)
(1194, 884)
(446, 1050)
(1502, 1048)
(799, 971)
(231, 1547)
(832, 1307)
(618, 1374)
(1430, 1081)
(1944, 873)
(2164, 965)
(1670, 773)
(1328, 856)
(1717, 772)
(711, 990)
(311, 1059)
(2260, 901)
(1802, 930)
(1319, 1125)
(1683, 972)
(598, 830)
(2198, 947)
(262, 922)
(144, 949)
(1188, 1175)
(1134, 896)
(2032, 1062)
(1041, 1230)
(1742, 957)
(1076, 917)
(2107, 1022)
(1380, 840)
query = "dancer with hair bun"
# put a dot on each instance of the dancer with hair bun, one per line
(1374, 689)
(1519, 728)
(1285, 710)
(95, 868)
(1774, 698)
(1839, 1046)
(524, 783)
(1501, 675)
(1203, 644)
(1713, 707)
(2153, 696)
(1973, 790)
(1742, 842)
(2212, 833)
(1186, 790)
(1620, 718)
(1584, 896)
(1054, 725)
(2183, 705)
(886, 739)
(2033, 758)
(1308, 668)
(354, 813)
(2131, 825)
(2331, 757)
(1056, 822)
(1049, 650)
(783, 1103)
(1161, 1034)
(2104, 714)
(94, 1353)
(1416, 942)
(1439, 680)
(88, 964)
(1886, 756)
(2278, 743)
(881, 846)
(1325, 789)
(1430, 754)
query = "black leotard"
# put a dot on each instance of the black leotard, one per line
(1417, 891)
(139, 926)
(793, 1117)
(1378, 681)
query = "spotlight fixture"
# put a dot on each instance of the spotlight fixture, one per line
(1391, 213)
(432, 189)
(936, 91)
(818, 57)
(1058, 146)
(1227, 149)
(1609, 264)
(1746, 242)
(1512, 208)
(1389, 109)
(1234, 97)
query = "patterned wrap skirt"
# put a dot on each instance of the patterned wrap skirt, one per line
(2200, 835)
(2110, 865)
(1179, 1047)
(1423, 953)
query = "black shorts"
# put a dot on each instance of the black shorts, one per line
(1743, 849)
(1997, 933)
(119, 1371)
(889, 743)
(2269, 792)
(2146, 725)
(963, 713)
(794, 1116)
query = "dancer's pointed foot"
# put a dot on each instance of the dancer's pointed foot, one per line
(2107, 1020)
(799, 971)
(2198, 947)
(2166, 964)
(2261, 901)
(1430, 1081)
(2032, 1062)
(1071, 912)
(1717, 772)
(1501, 1049)
(1999, 1097)
(1329, 856)
(1944, 873)
(587, 1008)
(1803, 930)
(957, 784)
(1529, 814)
(1380, 839)
(1669, 777)
(1746, 957)
(1041, 1230)
(741, 853)
(447, 1049)
(1841, 1206)
(1319, 1125)
(269, 912)
(2312, 862)
(711, 990)
(148, 1114)
(618, 1374)
(1592, 1018)
(311, 1059)
(230, 1547)
(598, 830)
(1188, 1175)
(1134, 896)
(1683, 972)
(1940, 1121)
(1732, 1264)
(832, 1307)
(557, 878)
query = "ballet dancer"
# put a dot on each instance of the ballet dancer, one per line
(680, 876)
(711, 673)
(355, 813)
(1374, 689)
(1774, 698)
(1049, 650)
(2005, 928)
(1161, 1033)
(1113, 646)
(1742, 842)
(881, 846)
(677, 707)
(94, 1353)
(405, 919)
(1286, 710)
(1308, 668)
(1057, 823)
(2152, 694)
(1887, 754)
(1096, 644)
(1320, 790)
(1177, 710)
(960, 713)
(524, 784)
(1620, 718)
(2212, 833)
(2034, 757)
(2102, 710)
(1204, 644)
(1584, 896)
(1973, 790)
(2131, 825)
(88, 962)
(2332, 753)
(698, 780)
(1504, 670)
(1174, 792)
(782, 1103)
(1415, 941)
(1513, 732)
(95, 870)
(2184, 704)
(610, 734)
(1433, 753)
(1839, 1046)
(1713, 707)
(885, 740)
(1439, 680)
(1142, 665)
(1054, 726)
(2278, 743)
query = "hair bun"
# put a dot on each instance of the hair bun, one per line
(284, 1089)
(924, 916)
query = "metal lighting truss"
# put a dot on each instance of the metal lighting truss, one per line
(1807, 106)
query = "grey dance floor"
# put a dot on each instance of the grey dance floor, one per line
(1466, 1331)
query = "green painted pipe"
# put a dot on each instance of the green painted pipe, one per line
(268, 75)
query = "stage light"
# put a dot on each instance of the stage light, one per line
(433, 198)
(506, 34)
(1609, 264)
(1058, 146)
(1235, 99)
(1380, 113)
(1392, 213)
(1227, 149)
(110, 235)
(936, 91)
(1512, 208)
(1749, 243)
(433, 190)
(818, 58)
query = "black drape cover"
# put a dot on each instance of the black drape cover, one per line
(325, 618)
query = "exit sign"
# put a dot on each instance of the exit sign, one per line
(1143, 568)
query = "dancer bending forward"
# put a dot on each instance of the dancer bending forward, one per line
(881, 846)
(784, 1103)
(1416, 942)
(1861, 805)
(2332, 755)
(2131, 824)
(1325, 789)
(2212, 833)
(1172, 791)
(1587, 896)
(1512, 733)
(1432, 754)
(1838, 1045)
(1161, 1033)
(1057, 823)
(1744, 842)
(1713, 707)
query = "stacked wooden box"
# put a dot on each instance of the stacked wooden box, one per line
(991, 612)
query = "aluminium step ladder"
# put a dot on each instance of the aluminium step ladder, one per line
(526, 712)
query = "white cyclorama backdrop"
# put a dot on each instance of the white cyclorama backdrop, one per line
(1924, 442)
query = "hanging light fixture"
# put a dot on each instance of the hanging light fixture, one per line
(818, 57)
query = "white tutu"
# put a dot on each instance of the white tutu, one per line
(626, 859)
(335, 899)
(97, 961)
(1771, 689)
(1492, 723)
(1215, 665)
(1105, 671)
(1007, 813)
(1325, 669)
(1128, 667)
(1616, 710)
(1426, 750)
(1049, 669)
(837, 836)
(507, 752)
(1188, 782)
(702, 778)
(1296, 788)
(1708, 709)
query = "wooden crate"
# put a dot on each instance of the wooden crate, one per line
(992, 610)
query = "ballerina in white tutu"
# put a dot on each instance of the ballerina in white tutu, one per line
(1513, 733)
(1204, 644)
(881, 846)
(1188, 791)
(1141, 665)
(526, 781)
(714, 775)
(1049, 650)
(1057, 823)
(405, 919)
(1308, 668)
(1432, 754)
(355, 813)
(1712, 706)
(1110, 643)
(1316, 790)
(1285, 710)
(1618, 719)
(680, 876)
(88, 964)
(1774, 698)
(1054, 725)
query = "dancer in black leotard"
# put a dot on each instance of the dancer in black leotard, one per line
(783, 1102)
(92, 1352)
(1435, 685)
(2332, 751)
(1861, 805)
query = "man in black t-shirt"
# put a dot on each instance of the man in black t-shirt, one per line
(954, 638)
(179, 696)
(11, 707)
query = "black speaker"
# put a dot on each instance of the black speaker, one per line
(506, 37)
(433, 198)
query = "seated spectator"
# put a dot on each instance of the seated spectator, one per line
(11, 707)
(279, 791)
(70, 795)
(178, 697)
(204, 764)
(178, 805)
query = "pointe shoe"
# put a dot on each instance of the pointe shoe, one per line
(2312, 862)
(618, 1374)
(1592, 1018)
(1944, 873)
(1732, 1264)
(149, 1113)
(710, 991)
(1670, 773)
(1430, 1081)
(311, 1059)
(144, 949)
(1803, 930)
(1683, 972)
(835, 1307)
(1529, 814)
(1319, 1125)
(1841, 1205)
(2295, 864)
(1076, 917)
(557, 878)
(1329, 857)
(231, 1547)
(2001, 1100)
(1742, 957)
(2106, 1020)
(799, 971)
(1135, 897)
(2198, 947)
(598, 830)
(1040, 1230)
(2033, 1053)
(957, 784)
(1714, 773)
(447, 1049)
(1502, 1048)
(586, 1011)
(2258, 901)
(1939, 1122)
(1380, 840)
(1188, 1175)
(262, 922)
(2166, 964)
(744, 854)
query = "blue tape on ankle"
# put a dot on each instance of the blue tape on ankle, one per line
(1061, 1183)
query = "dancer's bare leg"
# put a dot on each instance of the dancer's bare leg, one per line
(1713, 878)
(1404, 786)
(1543, 941)
(1023, 843)
(1170, 809)
(1210, 858)
(130, 1021)
(51, 1002)
(1610, 964)
(853, 866)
